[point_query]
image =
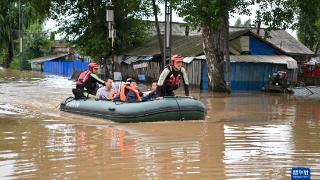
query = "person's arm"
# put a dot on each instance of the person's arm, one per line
(112, 94)
(147, 97)
(98, 80)
(162, 78)
(185, 81)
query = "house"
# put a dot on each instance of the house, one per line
(253, 58)
(61, 61)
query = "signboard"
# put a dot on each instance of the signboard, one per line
(300, 173)
(141, 65)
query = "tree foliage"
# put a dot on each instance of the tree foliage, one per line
(308, 25)
(85, 24)
(239, 23)
(9, 25)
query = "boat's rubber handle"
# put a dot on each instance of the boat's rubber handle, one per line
(112, 109)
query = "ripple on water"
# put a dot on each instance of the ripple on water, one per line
(10, 109)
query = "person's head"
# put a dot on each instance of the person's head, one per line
(133, 84)
(177, 61)
(129, 80)
(93, 67)
(154, 86)
(109, 82)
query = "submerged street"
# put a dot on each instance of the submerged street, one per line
(247, 135)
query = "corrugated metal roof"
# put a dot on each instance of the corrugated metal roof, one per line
(289, 61)
(47, 58)
(130, 59)
(190, 59)
(145, 58)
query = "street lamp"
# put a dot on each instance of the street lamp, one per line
(167, 32)
(111, 30)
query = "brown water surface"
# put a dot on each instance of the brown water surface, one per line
(245, 136)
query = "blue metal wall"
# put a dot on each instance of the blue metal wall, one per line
(253, 76)
(247, 76)
(63, 67)
(258, 47)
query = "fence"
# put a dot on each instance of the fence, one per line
(63, 67)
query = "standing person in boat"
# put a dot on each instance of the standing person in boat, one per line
(87, 82)
(170, 77)
(106, 92)
(151, 95)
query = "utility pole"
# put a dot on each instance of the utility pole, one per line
(20, 35)
(167, 33)
(111, 30)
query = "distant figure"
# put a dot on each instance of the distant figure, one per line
(87, 82)
(106, 92)
(151, 95)
(170, 77)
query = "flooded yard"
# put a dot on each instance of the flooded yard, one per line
(246, 135)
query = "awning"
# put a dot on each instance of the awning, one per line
(289, 61)
(190, 59)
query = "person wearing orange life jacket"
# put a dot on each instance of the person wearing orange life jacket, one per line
(170, 77)
(130, 93)
(87, 81)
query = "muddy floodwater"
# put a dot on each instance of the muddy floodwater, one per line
(246, 135)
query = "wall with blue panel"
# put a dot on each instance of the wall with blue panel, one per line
(64, 68)
(248, 76)
(258, 47)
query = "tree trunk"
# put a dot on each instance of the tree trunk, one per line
(155, 13)
(226, 52)
(213, 49)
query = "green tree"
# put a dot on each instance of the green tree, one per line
(247, 23)
(308, 23)
(212, 16)
(9, 25)
(238, 23)
(85, 24)
(37, 42)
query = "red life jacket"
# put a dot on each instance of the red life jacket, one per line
(173, 78)
(83, 77)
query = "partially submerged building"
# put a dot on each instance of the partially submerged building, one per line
(253, 58)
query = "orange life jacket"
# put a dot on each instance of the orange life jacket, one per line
(123, 89)
(83, 77)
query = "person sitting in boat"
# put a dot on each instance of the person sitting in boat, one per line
(170, 77)
(129, 92)
(152, 94)
(106, 92)
(87, 82)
